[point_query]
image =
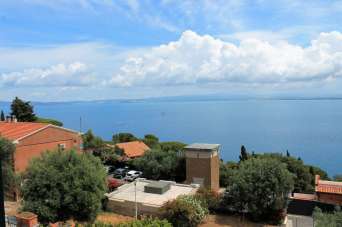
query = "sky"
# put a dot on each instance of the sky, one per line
(65, 50)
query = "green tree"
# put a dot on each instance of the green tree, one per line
(172, 145)
(157, 164)
(338, 177)
(260, 187)
(227, 172)
(49, 121)
(2, 116)
(124, 137)
(90, 141)
(7, 149)
(22, 110)
(287, 153)
(151, 141)
(244, 154)
(185, 211)
(63, 185)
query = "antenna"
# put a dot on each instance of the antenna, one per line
(80, 124)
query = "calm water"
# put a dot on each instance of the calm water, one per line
(310, 129)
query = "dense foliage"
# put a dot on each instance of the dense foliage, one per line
(22, 110)
(185, 211)
(210, 199)
(123, 137)
(157, 164)
(49, 121)
(146, 222)
(99, 148)
(151, 141)
(63, 185)
(304, 175)
(327, 219)
(7, 149)
(259, 187)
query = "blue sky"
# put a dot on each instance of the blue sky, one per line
(105, 49)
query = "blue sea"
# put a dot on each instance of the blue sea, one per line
(309, 129)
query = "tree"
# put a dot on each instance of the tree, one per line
(287, 153)
(22, 110)
(92, 142)
(7, 149)
(49, 121)
(259, 187)
(157, 164)
(185, 211)
(338, 177)
(146, 222)
(172, 145)
(226, 172)
(244, 154)
(61, 185)
(151, 140)
(123, 137)
(2, 116)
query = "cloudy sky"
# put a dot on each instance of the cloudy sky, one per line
(106, 49)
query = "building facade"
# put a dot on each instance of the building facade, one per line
(32, 139)
(202, 165)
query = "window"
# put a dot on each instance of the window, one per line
(61, 146)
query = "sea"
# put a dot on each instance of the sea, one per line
(309, 129)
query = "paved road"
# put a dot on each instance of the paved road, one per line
(299, 221)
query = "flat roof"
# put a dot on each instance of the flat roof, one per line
(203, 146)
(127, 193)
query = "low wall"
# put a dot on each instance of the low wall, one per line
(124, 207)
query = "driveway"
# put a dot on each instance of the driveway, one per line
(299, 221)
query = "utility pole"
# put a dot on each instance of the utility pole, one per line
(2, 205)
(136, 204)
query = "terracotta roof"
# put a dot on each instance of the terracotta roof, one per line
(17, 130)
(133, 149)
(333, 187)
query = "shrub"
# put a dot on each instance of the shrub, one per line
(209, 199)
(327, 219)
(185, 211)
(146, 222)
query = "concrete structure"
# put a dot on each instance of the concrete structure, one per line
(329, 192)
(32, 139)
(122, 200)
(202, 165)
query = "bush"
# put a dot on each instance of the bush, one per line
(146, 222)
(210, 199)
(327, 219)
(62, 185)
(185, 211)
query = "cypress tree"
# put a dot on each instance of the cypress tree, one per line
(288, 153)
(244, 154)
(2, 116)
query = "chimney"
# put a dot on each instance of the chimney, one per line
(14, 119)
(8, 119)
(317, 177)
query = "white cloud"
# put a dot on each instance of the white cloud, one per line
(61, 75)
(195, 59)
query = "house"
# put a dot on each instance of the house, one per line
(32, 139)
(329, 192)
(133, 149)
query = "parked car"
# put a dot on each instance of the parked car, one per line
(113, 184)
(132, 175)
(120, 173)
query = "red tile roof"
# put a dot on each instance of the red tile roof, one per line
(133, 149)
(17, 130)
(329, 187)
(325, 186)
